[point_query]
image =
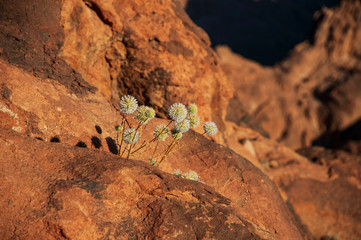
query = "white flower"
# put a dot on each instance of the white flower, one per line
(161, 132)
(177, 173)
(144, 114)
(177, 112)
(210, 128)
(128, 104)
(130, 136)
(194, 120)
(182, 126)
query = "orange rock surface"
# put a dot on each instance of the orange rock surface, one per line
(64, 66)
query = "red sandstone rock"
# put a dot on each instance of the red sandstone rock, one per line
(124, 53)
(329, 208)
(48, 111)
(55, 191)
(322, 187)
(149, 49)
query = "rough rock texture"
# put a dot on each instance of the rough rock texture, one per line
(63, 66)
(48, 111)
(323, 187)
(30, 38)
(150, 49)
(313, 93)
(54, 191)
(331, 208)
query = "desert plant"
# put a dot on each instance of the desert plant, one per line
(183, 118)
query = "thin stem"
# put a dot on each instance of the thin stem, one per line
(123, 151)
(170, 148)
(123, 125)
(134, 135)
(155, 138)
(155, 149)
(126, 120)
(146, 149)
(117, 143)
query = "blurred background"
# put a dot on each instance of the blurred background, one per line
(261, 30)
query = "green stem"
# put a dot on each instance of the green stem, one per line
(123, 125)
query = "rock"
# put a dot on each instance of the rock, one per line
(56, 115)
(148, 49)
(321, 187)
(59, 92)
(31, 37)
(55, 191)
(329, 208)
(151, 50)
(312, 93)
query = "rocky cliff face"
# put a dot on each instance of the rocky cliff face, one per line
(312, 95)
(63, 67)
(311, 98)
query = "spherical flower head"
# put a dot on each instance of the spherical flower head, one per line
(192, 108)
(177, 173)
(194, 120)
(182, 126)
(128, 104)
(210, 128)
(144, 114)
(176, 135)
(161, 132)
(177, 112)
(130, 136)
(191, 175)
(150, 113)
(140, 114)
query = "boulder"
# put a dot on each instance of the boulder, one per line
(48, 111)
(56, 191)
(149, 49)
(329, 208)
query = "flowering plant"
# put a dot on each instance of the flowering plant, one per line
(182, 117)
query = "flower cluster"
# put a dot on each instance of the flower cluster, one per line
(182, 117)
(194, 120)
(182, 126)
